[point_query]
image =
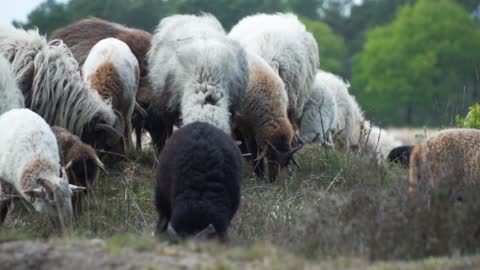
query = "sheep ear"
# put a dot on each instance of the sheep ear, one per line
(100, 164)
(34, 193)
(206, 233)
(74, 188)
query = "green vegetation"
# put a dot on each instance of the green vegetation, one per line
(472, 120)
(420, 68)
(339, 207)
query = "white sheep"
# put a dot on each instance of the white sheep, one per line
(377, 141)
(282, 40)
(30, 162)
(199, 73)
(319, 113)
(10, 96)
(113, 71)
(349, 120)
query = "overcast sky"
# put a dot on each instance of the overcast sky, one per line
(17, 9)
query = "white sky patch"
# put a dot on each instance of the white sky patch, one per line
(17, 9)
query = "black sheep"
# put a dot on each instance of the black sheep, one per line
(401, 155)
(198, 182)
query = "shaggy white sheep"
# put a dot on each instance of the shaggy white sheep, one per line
(319, 113)
(10, 96)
(50, 80)
(30, 162)
(349, 120)
(199, 73)
(113, 71)
(282, 40)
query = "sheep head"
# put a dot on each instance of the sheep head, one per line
(55, 198)
(278, 159)
(107, 137)
(208, 232)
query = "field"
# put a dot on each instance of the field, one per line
(339, 211)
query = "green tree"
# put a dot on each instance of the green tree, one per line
(332, 49)
(47, 17)
(420, 68)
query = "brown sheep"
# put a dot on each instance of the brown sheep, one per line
(263, 121)
(445, 164)
(80, 161)
(81, 36)
(113, 71)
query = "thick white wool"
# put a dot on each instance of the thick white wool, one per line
(199, 70)
(319, 114)
(282, 40)
(25, 138)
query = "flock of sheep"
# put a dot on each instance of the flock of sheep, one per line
(256, 92)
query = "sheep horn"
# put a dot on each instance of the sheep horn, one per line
(272, 146)
(295, 162)
(100, 164)
(108, 129)
(143, 113)
(69, 164)
(74, 188)
(46, 184)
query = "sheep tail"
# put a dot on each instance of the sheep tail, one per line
(207, 103)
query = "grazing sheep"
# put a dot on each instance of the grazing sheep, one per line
(196, 72)
(81, 36)
(198, 182)
(81, 160)
(282, 40)
(10, 96)
(349, 122)
(445, 164)
(113, 71)
(50, 80)
(30, 163)
(319, 113)
(263, 121)
(377, 142)
(401, 155)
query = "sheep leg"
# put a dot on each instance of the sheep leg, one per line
(128, 130)
(138, 135)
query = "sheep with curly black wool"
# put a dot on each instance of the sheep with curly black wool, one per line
(198, 182)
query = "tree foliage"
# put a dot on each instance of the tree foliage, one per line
(417, 68)
(332, 49)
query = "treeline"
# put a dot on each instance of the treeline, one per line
(410, 62)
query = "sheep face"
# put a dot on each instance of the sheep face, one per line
(197, 222)
(55, 200)
(108, 138)
(278, 158)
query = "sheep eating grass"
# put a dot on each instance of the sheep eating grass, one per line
(198, 182)
(30, 163)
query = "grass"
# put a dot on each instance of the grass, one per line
(338, 210)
